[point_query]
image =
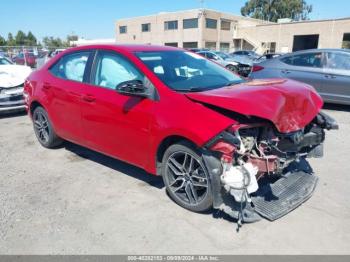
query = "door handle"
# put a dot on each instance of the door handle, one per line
(89, 98)
(285, 71)
(330, 76)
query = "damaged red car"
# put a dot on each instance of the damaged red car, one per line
(218, 141)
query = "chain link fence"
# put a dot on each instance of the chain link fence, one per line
(33, 56)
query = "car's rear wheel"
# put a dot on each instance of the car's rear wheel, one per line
(43, 129)
(185, 177)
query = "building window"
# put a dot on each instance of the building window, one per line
(211, 23)
(174, 44)
(270, 47)
(225, 25)
(123, 29)
(146, 27)
(170, 25)
(190, 23)
(346, 41)
(210, 45)
(225, 47)
(190, 45)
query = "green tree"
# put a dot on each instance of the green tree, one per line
(72, 38)
(10, 40)
(2, 41)
(31, 39)
(272, 10)
(52, 42)
(21, 38)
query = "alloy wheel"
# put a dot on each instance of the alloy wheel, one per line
(187, 178)
(41, 127)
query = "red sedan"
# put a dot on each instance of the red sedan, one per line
(28, 59)
(217, 140)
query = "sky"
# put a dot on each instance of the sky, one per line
(96, 18)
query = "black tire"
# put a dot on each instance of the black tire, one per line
(187, 182)
(43, 129)
(232, 68)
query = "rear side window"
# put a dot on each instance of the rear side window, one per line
(338, 61)
(71, 66)
(305, 60)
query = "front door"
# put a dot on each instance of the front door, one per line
(306, 68)
(337, 77)
(116, 124)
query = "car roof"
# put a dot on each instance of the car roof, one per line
(321, 50)
(128, 48)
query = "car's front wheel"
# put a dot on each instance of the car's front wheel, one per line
(43, 129)
(186, 178)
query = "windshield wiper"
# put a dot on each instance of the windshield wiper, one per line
(191, 89)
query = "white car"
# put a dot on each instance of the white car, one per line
(12, 79)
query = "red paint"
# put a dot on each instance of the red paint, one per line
(226, 149)
(29, 60)
(288, 104)
(133, 128)
(257, 68)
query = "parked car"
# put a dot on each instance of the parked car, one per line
(266, 57)
(196, 50)
(245, 53)
(227, 61)
(327, 70)
(28, 59)
(11, 85)
(216, 139)
(56, 52)
(220, 59)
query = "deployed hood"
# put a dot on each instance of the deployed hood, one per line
(13, 75)
(288, 104)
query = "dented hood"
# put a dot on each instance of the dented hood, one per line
(288, 104)
(13, 75)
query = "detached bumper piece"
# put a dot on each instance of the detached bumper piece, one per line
(272, 201)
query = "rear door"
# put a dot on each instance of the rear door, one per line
(306, 68)
(337, 77)
(63, 88)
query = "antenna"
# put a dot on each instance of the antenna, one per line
(202, 3)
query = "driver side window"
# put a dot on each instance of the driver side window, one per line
(112, 69)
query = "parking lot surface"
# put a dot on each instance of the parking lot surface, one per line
(75, 201)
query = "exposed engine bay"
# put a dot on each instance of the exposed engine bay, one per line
(263, 172)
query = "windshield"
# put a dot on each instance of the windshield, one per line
(187, 71)
(4, 61)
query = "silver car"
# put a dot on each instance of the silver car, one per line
(227, 61)
(327, 70)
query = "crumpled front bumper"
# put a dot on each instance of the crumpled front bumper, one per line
(11, 99)
(273, 200)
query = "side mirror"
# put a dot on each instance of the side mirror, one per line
(132, 88)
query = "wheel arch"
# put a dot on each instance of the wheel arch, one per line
(33, 105)
(166, 143)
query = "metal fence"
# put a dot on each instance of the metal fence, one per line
(33, 56)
